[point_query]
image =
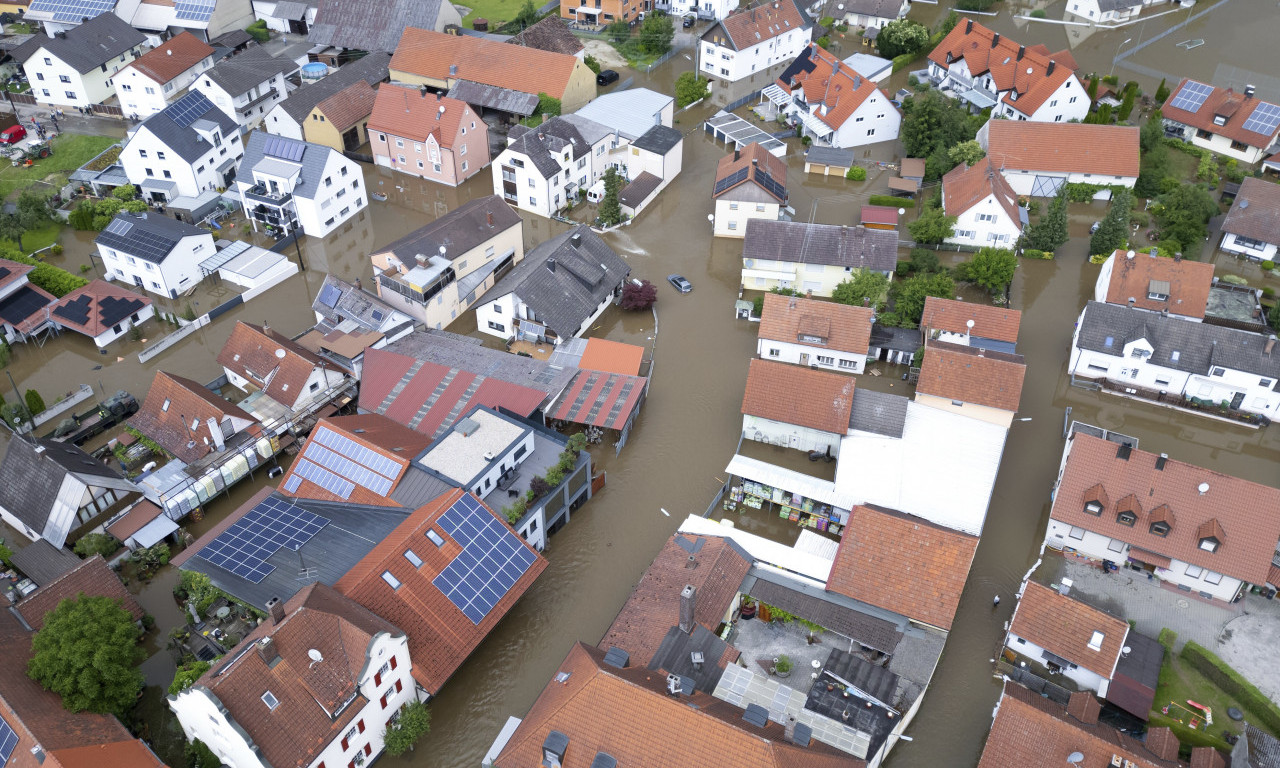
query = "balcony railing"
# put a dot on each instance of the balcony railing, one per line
(260, 194)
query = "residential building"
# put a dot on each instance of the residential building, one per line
(868, 14)
(1067, 637)
(1199, 530)
(813, 258)
(259, 358)
(1108, 11)
(557, 291)
(970, 325)
(350, 320)
(542, 169)
(102, 311)
(1235, 125)
(88, 577)
(903, 564)
(1019, 82)
(439, 61)
(54, 491)
(602, 14)
(1037, 158)
(833, 104)
(287, 185)
(484, 564)
(188, 420)
(23, 306)
(247, 86)
(1149, 355)
(820, 334)
(427, 135)
(377, 26)
(630, 113)
(753, 39)
(1176, 286)
(1256, 749)
(551, 34)
(75, 68)
(985, 206)
(189, 147)
(972, 381)
(301, 116)
(154, 79)
(318, 682)
(439, 271)
(800, 408)
(1252, 226)
(648, 165)
(141, 526)
(749, 184)
(287, 16)
(375, 454)
(156, 19)
(154, 252)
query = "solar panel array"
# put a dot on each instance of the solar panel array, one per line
(338, 486)
(1264, 119)
(1191, 96)
(329, 295)
(243, 548)
(8, 741)
(72, 10)
(119, 226)
(730, 180)
(770, 185)
(151, 246)
(492, 560)
(194, 10)
(341, 465)
(365, 466)
(189, 109)
(283, 148)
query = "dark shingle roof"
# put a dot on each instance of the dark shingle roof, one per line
(552, 136)
(184, 140)
(878, 412)
(371, 25)
(86, 46)
(31, 476)
(313, 160)
(371, 68)
(794, 241)
(584, 274)
(251, 68)
(44, 563)
(149, 236)
(1197, 346)
(659, 139)
(458, 231)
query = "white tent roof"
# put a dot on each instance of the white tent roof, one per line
(154, 532)
(789, 480)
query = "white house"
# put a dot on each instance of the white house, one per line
(1078, 641)
(832, 103)
(75, 68)
(868, 14)
(154, 252)
(1202, 531)
(648, 165)
(542, 168)
(821, 334)
(316, 684)
(287, 16)
(985, 206)
(185, 149)
(1176, 286)
(985, 70)
(1147, 354)
(157, 77)
(102, 311)
(1037, 158)
(796, 407)
(286, 184)
(256, 357)
(749, 184)
(1235, 125)
(1252, 226)
(703, 9)
(1108, 11)
(247, 86)
(754, 39)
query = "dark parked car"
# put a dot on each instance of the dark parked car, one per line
(606, 77)
(679, 283)
(688, 21)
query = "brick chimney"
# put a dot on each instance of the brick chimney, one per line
(995, 40)
(267, 650)
(276, 609)
(688, 600)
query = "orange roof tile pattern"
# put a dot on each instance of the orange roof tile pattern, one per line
(394, 442)
(840, 327)
(349, 105)
(177, 412)
(903, 564)
(1245, 511)
(839, 89)
(792, 394)
(270, 361)
(1065, 627)
(965, 186)
(1032, 72)
(430, 54)
(92, 577)
(752, 26)
(756, 160)
(175, 56)
(999, 323)
(1101, 150)
(119, 754)
(1187, 292)
(412, 114)
(972, 375)
(612, 357)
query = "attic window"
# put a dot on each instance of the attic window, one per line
(1209, 544)
(1095, 642)
(435, 538)
(1174, 357)
(270, 700)
(165, 405)
(390, 578)
(1109, 342)
(236, 357)
(412, 557)
(1160, 528)
(1219, 120)
(1094, 508)
(1127, 517)
(195, 424)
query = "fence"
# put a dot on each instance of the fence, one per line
(108, 111)
(62, 406)
(745, 100)
(162, 344)
(1051, 691)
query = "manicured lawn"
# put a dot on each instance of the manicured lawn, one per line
(40, 237)
(71, 150)
(1179, 682)
(496, 11)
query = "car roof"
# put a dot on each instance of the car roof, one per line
(13, 128)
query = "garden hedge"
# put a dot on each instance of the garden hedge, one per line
(1216, 670)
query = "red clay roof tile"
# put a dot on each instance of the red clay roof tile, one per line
(972, 375)
(425, 53)
(792, 394)
(1101, 150)
(843, 328)
(952, 316)
(1064, 626)
(1188, 290)
(175, 56)
(172, 405)
(93, 577)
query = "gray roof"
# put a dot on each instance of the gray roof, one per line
(371, 68)
(539, 143)
(564, 279)
(1198, 346)
(31, 476)
(493, 97)
(630, 112)
(149, 236)
(864, 628)
(371, 25)
(674, 656)
(878, 412)
(458, 231)
(897, 339)
(87, 46)
(417, 486)
(351, 304)
(659, 139)
(1256, 211)
(252, 68)
(289, 10)
(314, 158)
(639, 190)
(1111, 5)
(42, 562)
(796, 241)
(468, 354)
(183, 140)
(883, 9)
(1258, 749)
(832, 156)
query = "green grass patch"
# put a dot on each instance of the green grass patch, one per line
(42, 236)
(1232, 684)
(495, 11)
(891, 201)
(1200, 676)
(71, 150)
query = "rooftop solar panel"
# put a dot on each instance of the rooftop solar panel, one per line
(771, 186)
(1264, 119)
(8, 741)
(338, 486)
(21, 304)
(353, 450)
(189, 109)
(119, 226)
(329, 295)
(75, 311)
(284, 148)
(194, 10)
(244, 548)
(730, 180)
(72, 10)
(113, 309)
(492, 560)
(1191, 96)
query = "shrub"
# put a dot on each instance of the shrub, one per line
(856, 173)
(258, 31)
(784, 663)
(1268, 265)
(186, 676)
(690, 88)
(1038, 14)
(592, 64)
(1268, 291)
(1232, 684)
(56, 249)
(96, 544)
(35, 403)
(637, 297)
(824, 42)
(6, 555)
(891, 201)
(1032, 253)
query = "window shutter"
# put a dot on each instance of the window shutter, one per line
(345, 744)
(393, 662)
(368, 749)
(383, 701)
(377, 678)
(360, 725)
(399, 686)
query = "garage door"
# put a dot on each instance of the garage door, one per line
(1046, 186)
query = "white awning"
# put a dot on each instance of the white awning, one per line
(815, 126)
(810, 487)
(775, 94)
(154, 532)
(769, 274)
(978, 99)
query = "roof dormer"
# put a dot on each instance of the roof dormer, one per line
(1210, 536)
(1095, 500)
(1161, 521)
(1128, 510)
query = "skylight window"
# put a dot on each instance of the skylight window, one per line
(270, 700)
(412, 557)
(1109, 342)
(435, 538)
(390, 578)
(1095, 642)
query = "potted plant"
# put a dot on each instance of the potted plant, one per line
(782, 665)
(747, 611)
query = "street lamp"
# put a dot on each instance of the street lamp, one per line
(1117, 56)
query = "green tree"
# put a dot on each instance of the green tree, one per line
(933, 226)
(992, 268)
(909, 296)
(527, 16)
(92, 544)
(14, 414)
(610, 210)
(690, 88)
(86, 653)
(125, 192)
(81, 217)
(865, 288)
(1092, 90)
(1126, 106)
(186, 675)
(1113, 232)
(931, 125)
(413, 720)
(618, 32)
(1162, 92)
(592, 63)
(548, 105)
(901, 37)
(968, 152)
(1274, 315)
(6, 556)
(1051, 230)
(200, 756)
(12, 228)
(1149, 137)
(35, 403)
(923, 260)
(1183, 214)
(656, 33)
(856, 173)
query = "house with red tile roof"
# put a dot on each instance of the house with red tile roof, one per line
(832, 103)
(750, 40)
(1195, 528)
(986, 70)
(357, 459)
(1038, 157)
(188, 420)
(1252, 226)
(972, 381)
(1067, 636)
(257, 358)
(795, 407)
(985, 206)
(1234, 124)
(427, 135)
(1146, 281)
(152, 81)
(92, 577)
(970, 324)
(316, 683)
(341, 120)
(819, 334)
(102, 311)
(749, 184)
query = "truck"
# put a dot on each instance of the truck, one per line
(81, 427)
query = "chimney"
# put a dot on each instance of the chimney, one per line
(995, 40)
(1022, 51)
(267, 650)
(1049, 71)
(1248, 91)
(553, 749)
(439, 96)
(790, 729)
(691, 562)
(422, 91)
(688, 596)
(489, 217)
(551, 265)
(737, 154)
(968, 27)
(576, 240)
(276, 610)
(1270, 345)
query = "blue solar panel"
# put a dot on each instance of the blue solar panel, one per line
(344, 456)
(1264, 119)
(72, 10)
(244, 548)
(338, 486)
(329, 295)
(194, 10)
(283, 148)
(1191, 96)
(492, 560)
(189, 109)
(8, 740)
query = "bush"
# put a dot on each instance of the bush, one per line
(1032, 253)
(784, 664)
(824, 42)
(1232, 684)
(35, 403)
(186, 676)
(1038, 14)
(856, 173)
(891, 201)
(592, 64)
(1268, 265)
(258, 31)
(96, 544)
(413, 720)
(690, 88)
(974, 5)
(636, 297)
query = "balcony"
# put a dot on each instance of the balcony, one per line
(508, 176)
(260, 194)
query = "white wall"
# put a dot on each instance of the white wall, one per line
(969, 230)
(727, 64)
(875, 120)
(235, 108)
(1083, 678)
(1232, 245)
(790, 352)
(790, 435)
(179, 271)
(1222, 145)
(278, 122)
(499, 311)
(141, 97)
(533, 193)
(93, 87)
(1069, 102)
(334, 204)
(1023, 182)
(124, 326)
(732, 217)
(144, 151)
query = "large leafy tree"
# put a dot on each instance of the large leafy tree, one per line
(967, 152)
(413, 721)
(933, 226)
(690, 88)
(1113, 232)
(610, 210)
(909, 296)
(640, 296)
(656, 33)
(1051, 230)
(931, 125)
(992, 268)
(865, 287)
(901, 37)
(86, 653)
(1183, 214)
(527, 15)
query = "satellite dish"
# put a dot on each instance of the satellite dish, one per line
(315, 655)
(902, 211)
(1204, 488)
(442, 250)
(280, 353)
(1075, 758)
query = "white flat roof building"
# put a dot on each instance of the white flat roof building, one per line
(473, 446)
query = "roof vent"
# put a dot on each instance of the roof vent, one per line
(674, 686)
(1244, 204)
(995, 40)
(756, 715)
(1130, 255)
(280, 353)
(617, 658)
(453, 70)
(1160, 461)
(1248, 91)
(169, 52)
(488, 456)
(553, 749)
(1203, 488)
